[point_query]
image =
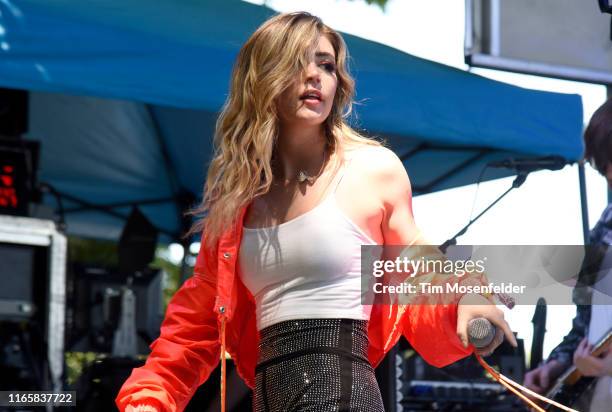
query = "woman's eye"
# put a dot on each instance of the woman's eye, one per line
(330, 67)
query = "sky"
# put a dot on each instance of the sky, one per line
(545, 210)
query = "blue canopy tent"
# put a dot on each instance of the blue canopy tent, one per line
(124, 96)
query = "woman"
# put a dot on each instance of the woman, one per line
(291, 195)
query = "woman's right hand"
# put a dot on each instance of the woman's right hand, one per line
(141, 408)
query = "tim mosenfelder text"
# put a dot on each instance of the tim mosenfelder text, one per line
(428, 288)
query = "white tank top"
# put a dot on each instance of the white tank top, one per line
(307, 267)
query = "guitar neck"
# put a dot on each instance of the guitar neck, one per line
(572, 375)
(603, 344)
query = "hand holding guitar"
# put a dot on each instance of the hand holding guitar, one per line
(590, 365)
(592, 359)
(542, 377)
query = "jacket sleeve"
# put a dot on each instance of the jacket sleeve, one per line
(184, 355)
(430, 321)
(431, 330)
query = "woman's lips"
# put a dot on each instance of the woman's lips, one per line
(311, 101)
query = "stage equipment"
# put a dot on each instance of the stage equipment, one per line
(137, 243)
(531, 164)
(18, 170)
(539, 331)
(33, 269)
(566, 39)
(100, 382)
(95, 305)
(461, 386)
(13, 112)
(124, 340)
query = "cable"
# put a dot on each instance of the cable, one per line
(477, 187)
(515, 387)
(47, 187)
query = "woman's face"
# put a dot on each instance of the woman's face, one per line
(320, 79)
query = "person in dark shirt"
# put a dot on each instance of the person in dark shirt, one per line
(574, 348)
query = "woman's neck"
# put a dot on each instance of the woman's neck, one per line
(300, 149)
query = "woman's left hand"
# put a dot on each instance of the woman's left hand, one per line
(473, 306)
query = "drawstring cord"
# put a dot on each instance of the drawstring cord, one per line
(222, 363)
(515, 387)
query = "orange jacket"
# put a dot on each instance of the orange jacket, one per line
(214, 312)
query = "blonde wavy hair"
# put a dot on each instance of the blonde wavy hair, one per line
(276, 54)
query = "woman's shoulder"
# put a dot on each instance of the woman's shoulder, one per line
(374, 159)
(377, 169)
(369, 152)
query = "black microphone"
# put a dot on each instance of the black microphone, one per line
(480, 332)
(531, 164)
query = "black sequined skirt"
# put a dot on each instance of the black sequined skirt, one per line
(315, 365)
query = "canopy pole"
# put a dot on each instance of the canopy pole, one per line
(583, 202)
